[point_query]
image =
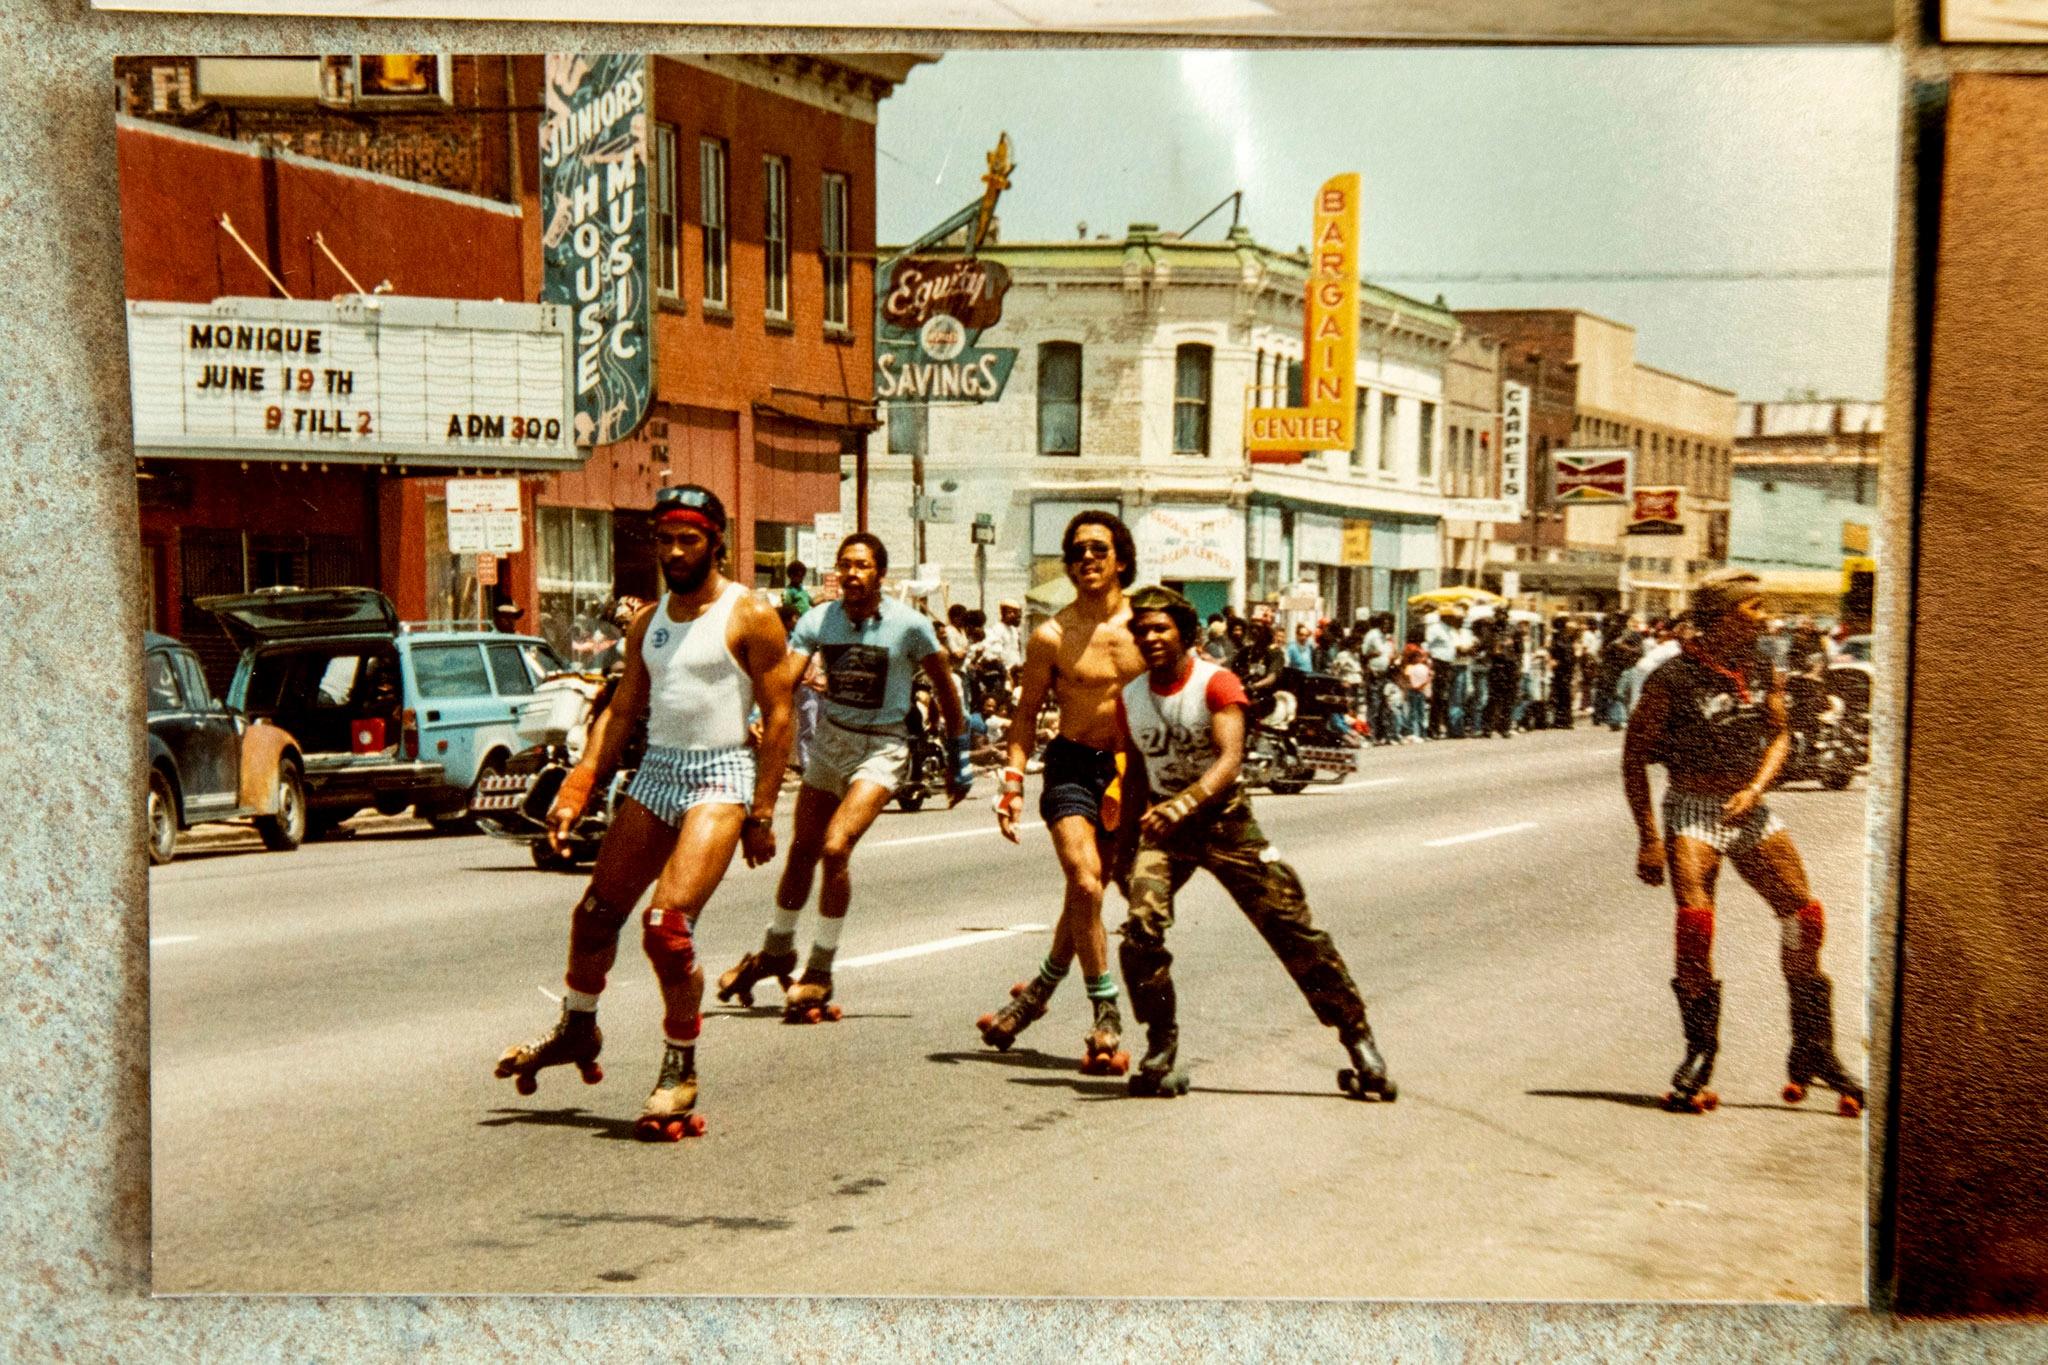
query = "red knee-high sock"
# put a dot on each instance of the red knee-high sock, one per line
(1801, 935)
(1695, 948)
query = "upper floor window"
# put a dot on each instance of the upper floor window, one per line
(1059, 398)
(1294, 383)
(668, 260)
(1191, 374)
(1359, 428)
(775, 237)
(1389, 410)
(711, 210)
(1425, 442)
(837, 247)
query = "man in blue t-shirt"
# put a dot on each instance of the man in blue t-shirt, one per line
(870, 648)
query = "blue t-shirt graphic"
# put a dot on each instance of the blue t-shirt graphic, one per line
(868, 667)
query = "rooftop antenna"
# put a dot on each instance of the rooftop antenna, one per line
(1236, 201)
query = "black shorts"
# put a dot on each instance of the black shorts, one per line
(1076, 776)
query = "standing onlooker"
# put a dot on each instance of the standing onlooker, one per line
(1475, 647)
(1301, 655)
(1417, 692)
(1006, 637)
(1440, 642)
(1617, 657)
(1377, 654)
(1564, 664)
(1503, 681)
(794, 595)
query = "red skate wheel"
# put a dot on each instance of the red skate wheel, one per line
(1794, 1093)
(674, 1129)
(526, 1084)
(694, 1126)
(985, 1023)
(1848, 1106)
(592, 1074)
(834, 1013)
(1120, 1063)
(1707, 1099)
(1017, 990)
(812, 1016)
(648, 1130)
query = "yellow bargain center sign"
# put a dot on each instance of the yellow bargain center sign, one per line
(1328, 421)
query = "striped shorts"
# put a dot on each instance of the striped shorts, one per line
(670, 781)
(1694, 816)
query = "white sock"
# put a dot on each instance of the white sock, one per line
(579, 1002)
(827, 936)
(784, 923)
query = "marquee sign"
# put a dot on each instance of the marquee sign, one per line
(593, 210)
(366, 379)
(1584, 476)
(1328, 419)
(921, 288)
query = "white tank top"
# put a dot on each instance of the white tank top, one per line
(699, 695)
(1171, 733)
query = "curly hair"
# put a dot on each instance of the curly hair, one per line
(1119, 540)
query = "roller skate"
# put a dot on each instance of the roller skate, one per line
(667, 1116)
(1812, 1057)
(1104, 1054)
(575, 1040)
(753, 969)
(809, 1001)
(1366, 1077)
(1701, 1016)
(1028, 1000)
(1160, 1073)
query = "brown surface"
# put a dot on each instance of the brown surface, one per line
(1972, 1149)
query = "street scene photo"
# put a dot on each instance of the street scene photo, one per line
(1049, 673)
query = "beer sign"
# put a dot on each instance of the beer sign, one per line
(1654, 512)
(1584, 476)
(1328, 418)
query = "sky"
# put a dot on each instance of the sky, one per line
(1475, 161)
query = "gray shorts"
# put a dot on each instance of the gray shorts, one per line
(1693, 816)
(841, 757)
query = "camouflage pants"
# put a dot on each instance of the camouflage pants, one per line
(1227, 843)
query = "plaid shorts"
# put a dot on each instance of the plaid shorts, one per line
(670, 781)
(1694, 816)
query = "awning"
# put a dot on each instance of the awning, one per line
(1051, 595)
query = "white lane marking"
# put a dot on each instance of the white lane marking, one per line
(951, 834)
(1479, 834)
(937, 946)
(1346, 788)
(169, 939)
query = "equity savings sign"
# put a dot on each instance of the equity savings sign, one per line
(593, 207)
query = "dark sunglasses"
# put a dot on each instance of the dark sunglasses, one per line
(1088, 549)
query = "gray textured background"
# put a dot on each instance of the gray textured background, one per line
(74, 1156)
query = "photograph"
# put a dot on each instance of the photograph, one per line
(1738, 21)
(1151, 673)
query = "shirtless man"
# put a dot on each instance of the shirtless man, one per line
(697, 662)
(1082, 657)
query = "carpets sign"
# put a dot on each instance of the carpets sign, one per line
(593, 211)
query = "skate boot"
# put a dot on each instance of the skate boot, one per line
(1701, 1016)
(1366, 1077)
(1812, 1057)
(1160, 1073)
(809, 1001)
(574, 1041)
(1104, 1054)
(667, 1116)
(754, 968)
(1028, 1000)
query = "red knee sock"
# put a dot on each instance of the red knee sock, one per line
(1695, 948)
(1799, 948)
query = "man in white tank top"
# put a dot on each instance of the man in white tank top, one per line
(1183, 723)
(698, 661)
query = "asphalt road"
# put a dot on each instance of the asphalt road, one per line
(325, 1118)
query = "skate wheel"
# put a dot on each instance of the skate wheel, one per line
(812, 1016)
(592, 1074)
(1391, 1093)
(1017, 990)
(526, 1084)
(1794, 1093)
(834, 1013)
(1706, 1100)
(1347, 1081)
(648, 1130)
(1120, 1063)
(694, 1126)
(1848, 1106)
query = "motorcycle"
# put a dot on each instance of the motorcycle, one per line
(1830, 726)
(1273, 758)
(555, 725)
(925, 774)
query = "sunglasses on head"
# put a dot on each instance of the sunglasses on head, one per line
(1088, 549)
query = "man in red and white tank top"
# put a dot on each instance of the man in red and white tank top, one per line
(698, 662)
(1183, 722)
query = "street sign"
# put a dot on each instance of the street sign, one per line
(984, 529)
(594, 189)
(483, 517)
(1328, 419)
(935, 509)
(361, 379)
(487, 571)
(1511, 583)
(1591, 475)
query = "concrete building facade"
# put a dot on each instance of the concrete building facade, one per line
(1137, 361)
(1803, 501)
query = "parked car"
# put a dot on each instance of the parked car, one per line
(209, 762)
(392, 715)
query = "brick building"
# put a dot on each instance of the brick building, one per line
(1472, 378)
(1590, 393)
(761, 229)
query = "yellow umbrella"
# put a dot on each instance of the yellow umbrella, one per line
(1463, 597)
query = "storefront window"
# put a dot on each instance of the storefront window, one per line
(573, 572)
(452, 593)
(774, 549)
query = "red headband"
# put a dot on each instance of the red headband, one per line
(689, 516)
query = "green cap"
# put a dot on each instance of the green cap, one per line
(1153, 597)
